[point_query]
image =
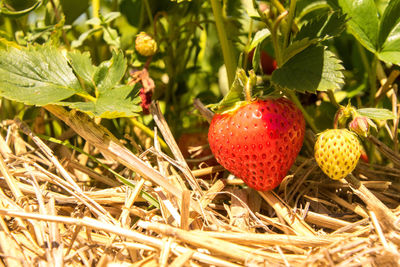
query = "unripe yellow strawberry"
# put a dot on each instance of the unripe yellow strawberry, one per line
(145, 44)
(337, 152)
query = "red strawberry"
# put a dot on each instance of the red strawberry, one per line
(187, 142)
(259, 141)
(268, 63)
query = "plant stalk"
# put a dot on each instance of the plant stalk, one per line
(307, 116)
(372, 80)
(87, 97)
(292, 9)
(332, 98)
(95, 8)
(226, 44)
(275, 38)
(149, 14)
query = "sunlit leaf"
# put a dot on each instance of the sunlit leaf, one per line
(376, 113)
(389, 34)
(36, 76)
(113, 103)
(363, 21)
(315, 68)
(109, 73)
(82, 65)
(258, 38)
(325, 26)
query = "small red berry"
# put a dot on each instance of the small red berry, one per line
(195, 146)
(268, 63)
(146, 100)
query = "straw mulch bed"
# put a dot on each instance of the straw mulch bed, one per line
(63, 207)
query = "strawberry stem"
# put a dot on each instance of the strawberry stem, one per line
(335, 120)
(226, 44)
(149, 13)
(307, 116)
(332, 98)
(292, 9)
(250, 82)
(275, 37)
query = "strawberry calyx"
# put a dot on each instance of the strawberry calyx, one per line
(239, 94)
(359, 124)
(342, 115)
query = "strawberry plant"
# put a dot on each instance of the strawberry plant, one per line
(138, 101)
(337, 151)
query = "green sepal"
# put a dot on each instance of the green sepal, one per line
(235, 96)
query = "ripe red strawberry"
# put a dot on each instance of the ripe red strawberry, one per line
(187, 142)
(259, 141)
(268, 63)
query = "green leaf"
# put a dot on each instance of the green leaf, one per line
(389, 33)
(113, 103)
(36, 76)
(390, 20)
(313, 69)
(363, 21)
(93, 21)
(256, 60)
(82, 65)
(83, 37)
(131, 11)
(235, 94)
(328, 25)
(319, 29)
(310, 6)
(72, 9)
(109, 73)
(17, 13)
(111, 37)
(258, 38)
(109, 17)
(41, 75)
(296, 47)
(390, 56)
(376, 113)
